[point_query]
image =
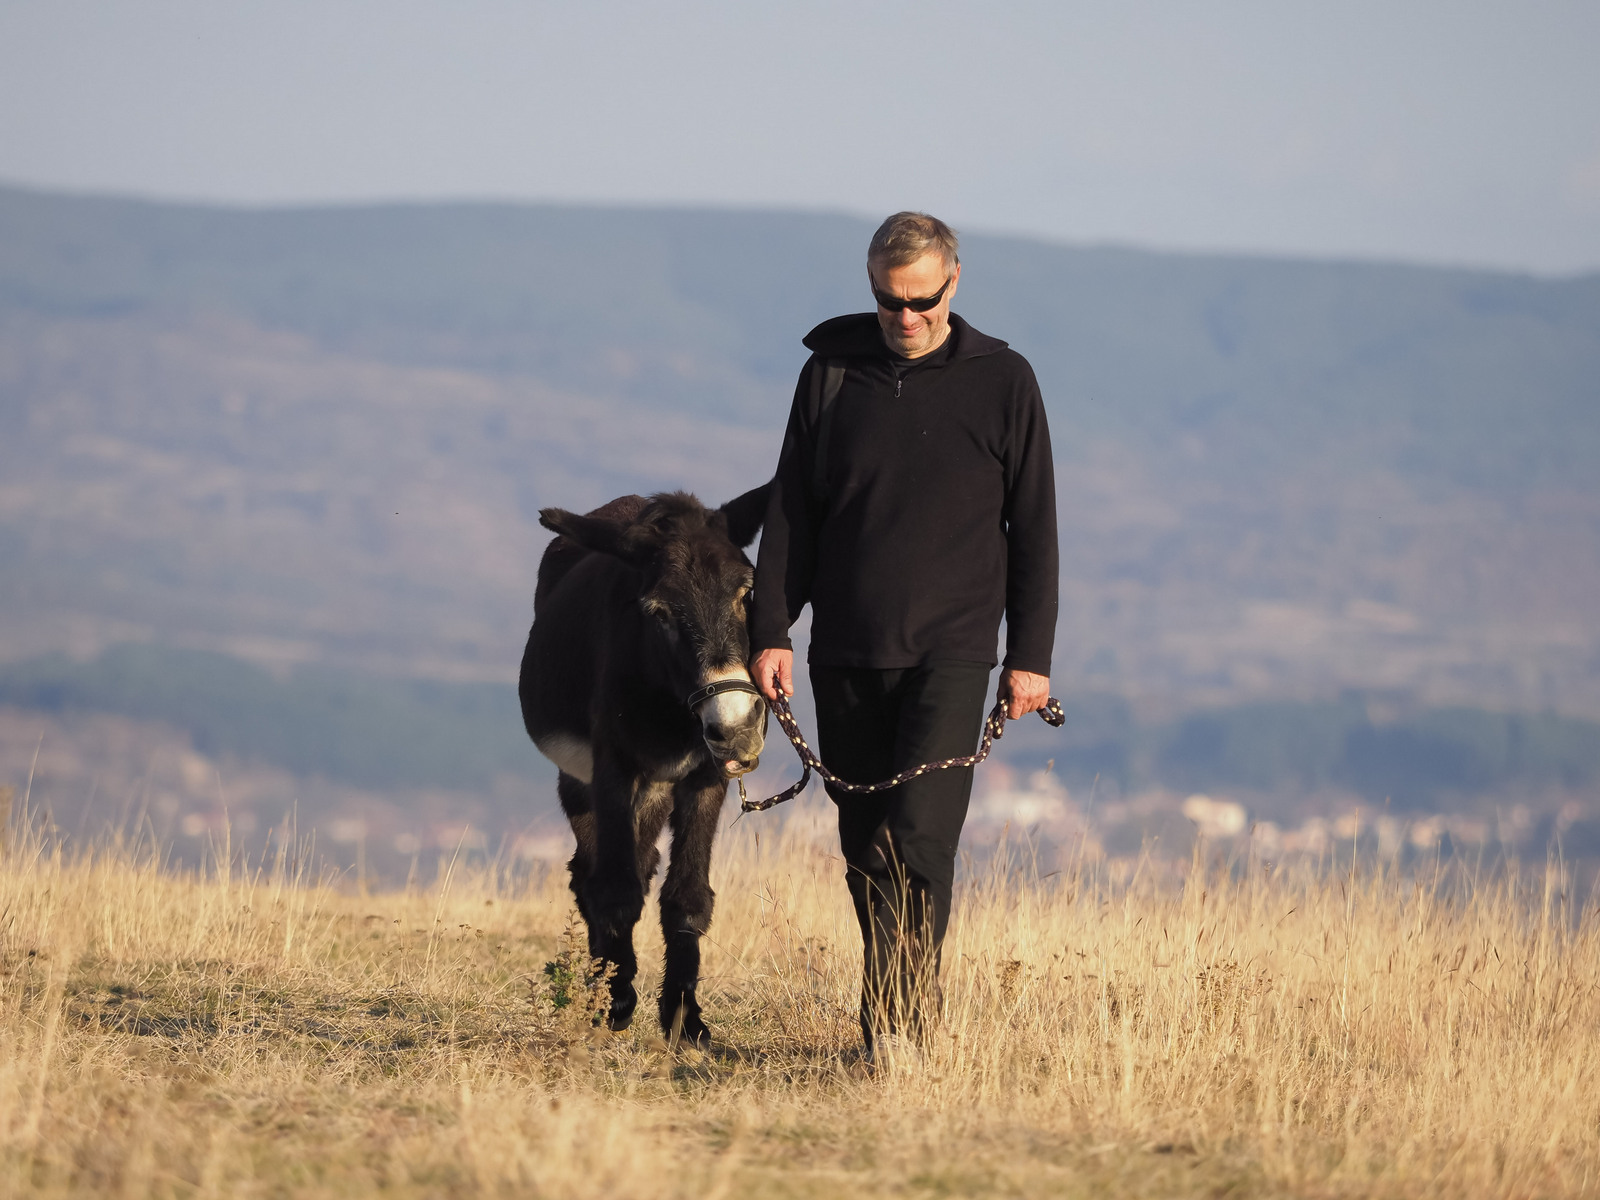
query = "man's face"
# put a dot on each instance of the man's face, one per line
(908, 333)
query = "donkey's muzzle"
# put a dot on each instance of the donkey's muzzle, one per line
(733, 720)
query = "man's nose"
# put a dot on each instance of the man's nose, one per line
(909, 320)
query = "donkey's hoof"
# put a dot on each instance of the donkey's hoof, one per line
(622, 1005)
(695, 1034)
(681, 1023)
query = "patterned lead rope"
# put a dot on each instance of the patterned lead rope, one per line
(993, 728)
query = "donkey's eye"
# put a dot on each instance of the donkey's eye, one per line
(661, 612)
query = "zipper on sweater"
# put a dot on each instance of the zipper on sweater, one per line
(897, 388)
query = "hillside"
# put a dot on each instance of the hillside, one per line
(321, 436)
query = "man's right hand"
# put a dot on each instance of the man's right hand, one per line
(772, 672)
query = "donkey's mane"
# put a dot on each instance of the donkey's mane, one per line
(675, 514)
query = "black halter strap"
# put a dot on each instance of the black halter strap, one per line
(696, 699)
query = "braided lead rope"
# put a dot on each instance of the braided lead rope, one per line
(994, 727)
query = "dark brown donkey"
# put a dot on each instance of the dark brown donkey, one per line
(634, 684)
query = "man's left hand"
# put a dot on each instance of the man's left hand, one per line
(1023, 691)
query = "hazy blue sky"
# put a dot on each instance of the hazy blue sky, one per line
(1418, 129)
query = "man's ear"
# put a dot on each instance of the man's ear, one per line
(626, 541)
(745, 514)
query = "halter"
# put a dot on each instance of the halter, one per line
(711, 690)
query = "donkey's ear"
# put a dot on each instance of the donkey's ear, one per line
(620, 539)
(745, 513)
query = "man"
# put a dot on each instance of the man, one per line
(913, 505)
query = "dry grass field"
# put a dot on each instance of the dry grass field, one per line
(1243, 1030)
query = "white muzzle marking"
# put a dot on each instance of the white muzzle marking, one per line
(733, 711)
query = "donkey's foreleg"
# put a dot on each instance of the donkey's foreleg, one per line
(574, 795)
(686, 901)
(613, 893)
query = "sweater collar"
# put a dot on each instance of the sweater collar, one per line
(858, 336)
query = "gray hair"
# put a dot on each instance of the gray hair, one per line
(905, 237)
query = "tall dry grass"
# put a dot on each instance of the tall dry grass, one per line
(252, 1031)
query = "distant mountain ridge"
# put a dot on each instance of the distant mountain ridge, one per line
(322, 435)
(1467, 376)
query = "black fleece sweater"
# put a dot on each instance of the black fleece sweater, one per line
(936, 516)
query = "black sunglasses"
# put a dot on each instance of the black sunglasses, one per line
(920, 305)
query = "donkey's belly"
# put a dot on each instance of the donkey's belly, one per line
(575, 756)
(572, 754)
(672, 770)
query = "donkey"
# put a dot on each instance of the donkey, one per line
(634, 684)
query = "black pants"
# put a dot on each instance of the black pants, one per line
(900, 845)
